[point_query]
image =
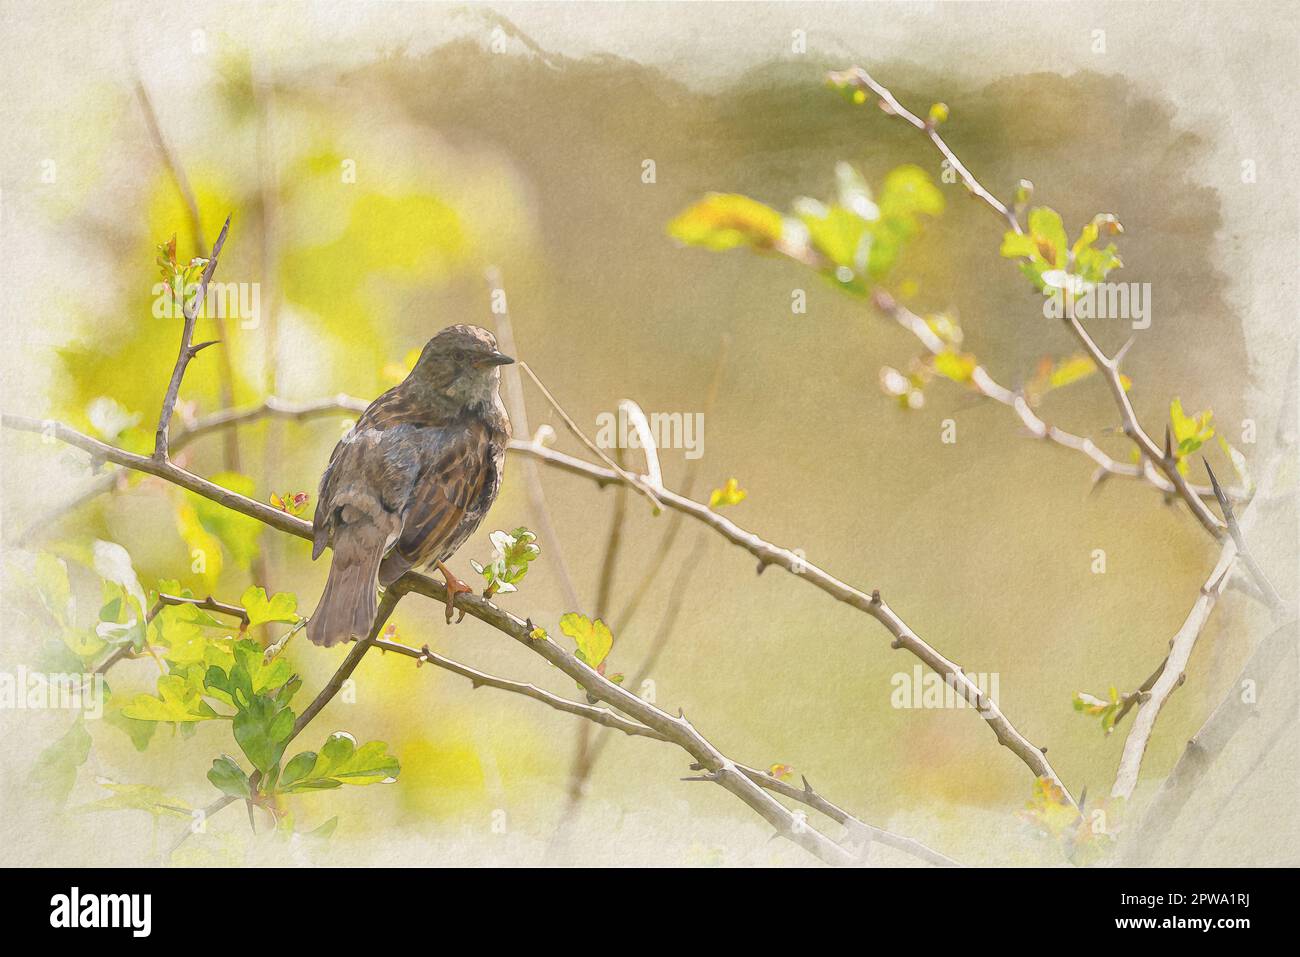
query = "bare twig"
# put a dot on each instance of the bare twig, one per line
(207, 604)
(355, 654)
(481, 679)
(177, 174)
(1265, 665)
(641, 485)
(518, 411)
(859, 78)
(769, 554)
(1142, 694)
(1266, 589)
(1171, 673)
(187, 350)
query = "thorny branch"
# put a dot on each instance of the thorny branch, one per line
(1107, 365)
(858, 831)
(677, 729)
(766, 552)
(177, 174)
(1227, 531)
(188, 349)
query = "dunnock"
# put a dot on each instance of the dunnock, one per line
(412, 479)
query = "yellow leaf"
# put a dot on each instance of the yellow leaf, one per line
(725, 221)
(1071, 370)
(729, 494)
(594, 639)
(955, 366)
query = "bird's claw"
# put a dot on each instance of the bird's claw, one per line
(454, 587)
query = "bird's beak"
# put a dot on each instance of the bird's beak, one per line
(496, 359)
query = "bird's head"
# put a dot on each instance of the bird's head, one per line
(461, 363)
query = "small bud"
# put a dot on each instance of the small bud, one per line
(938, 113)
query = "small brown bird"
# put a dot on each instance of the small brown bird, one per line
(412, 479)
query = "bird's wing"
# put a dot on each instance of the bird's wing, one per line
(363, 457)
(457, 482)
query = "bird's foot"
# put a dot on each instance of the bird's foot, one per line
(454, 587)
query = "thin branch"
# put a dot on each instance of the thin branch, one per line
(588, 751)
(600, 716)
(177, 174)
(766, 552)
(207, 604)
(358, 651)
(1265, 665)
(518, 411)
(689, 477)
(1172, 672)
(769, 554)
(1167, 464)
(481, 679)
(859, 78)
(672, 610)
(187, 351)
(984, 383)
(637, 483)
(1142, 694)
(677, 729)
(1108, 366)
(1266, 589)
(613, 544)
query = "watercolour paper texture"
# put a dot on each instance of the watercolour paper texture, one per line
(851, 491)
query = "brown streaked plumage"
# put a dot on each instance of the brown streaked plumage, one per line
(412, 479)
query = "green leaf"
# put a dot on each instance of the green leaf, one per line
(262, 730)
(238, 533)
(1105, 708)
(1190, 433)
(54, 589)
(178, 631)
(838, 233)
(339, 762)
(282, 607)
(140, 732)
(324, 831)
(908, 193)
(726, 221)
(55, 771)
(1049, 235)
(179, 700)
(122, 619)
(229, 778)
(594, 639)
(138, 797)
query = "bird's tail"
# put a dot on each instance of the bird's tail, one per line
(347, 606)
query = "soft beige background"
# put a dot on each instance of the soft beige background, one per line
(983, 547)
